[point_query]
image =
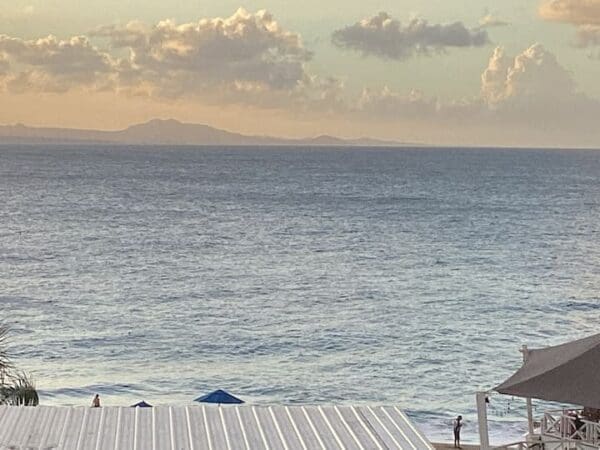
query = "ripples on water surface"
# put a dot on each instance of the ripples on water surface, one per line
(406, 276)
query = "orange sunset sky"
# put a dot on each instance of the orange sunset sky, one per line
(466, 72)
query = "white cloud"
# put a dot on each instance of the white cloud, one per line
(535, 93)
(393, 104)
(583, 14)
(576, 12)
(51, 64)
(386, 37)
(490, 21)
(531, 89)
(532, 76)
(588, 36)
(247, 51)
(15, 13)
(4, 64)
(245, 58)
(493, 78)
(250, 59)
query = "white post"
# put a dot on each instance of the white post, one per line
(484, 439)
(525, 352)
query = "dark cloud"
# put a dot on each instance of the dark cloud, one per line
(386, 37)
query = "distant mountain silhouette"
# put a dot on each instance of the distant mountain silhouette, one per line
(167, 132)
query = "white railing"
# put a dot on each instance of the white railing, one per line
(546, 444)
(519, 445)
(566, 424)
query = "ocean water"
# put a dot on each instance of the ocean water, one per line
(295, 275)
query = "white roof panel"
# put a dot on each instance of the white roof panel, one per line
(209, 427)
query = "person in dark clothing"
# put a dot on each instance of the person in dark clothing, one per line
(457, 426)
(96, 402)
(578, 426)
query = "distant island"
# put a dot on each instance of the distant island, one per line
(169, 132)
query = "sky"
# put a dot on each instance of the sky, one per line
(442, 72)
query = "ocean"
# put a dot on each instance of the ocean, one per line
(406, 276)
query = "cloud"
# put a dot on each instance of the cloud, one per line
(393, 104)
(10, 13)
(528, 99)
(532, 85)
(532, 77)
(415, 105)
(245, 51)
(583, 14)
(50, 64)
(247, 58)
(588, 36)
(531, 90)
(493, 79)
(386, 37)
(535, 93)
(4, 64)
(576, 12)
(491, 21)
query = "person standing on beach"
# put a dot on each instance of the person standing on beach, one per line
(96, 402)
(457, 426)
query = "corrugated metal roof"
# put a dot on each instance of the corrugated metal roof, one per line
(208, 427)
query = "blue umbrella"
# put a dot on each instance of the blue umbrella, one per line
(142, 404)
(218, 396)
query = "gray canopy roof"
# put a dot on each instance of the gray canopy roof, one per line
(567, 373)
(209, 427)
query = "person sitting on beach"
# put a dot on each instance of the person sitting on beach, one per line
(96, 402)
(457, 426)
